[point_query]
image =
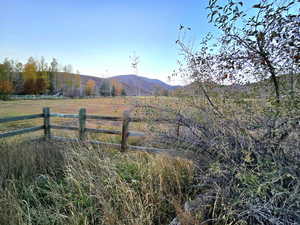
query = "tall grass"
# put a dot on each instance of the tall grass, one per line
(51, 183)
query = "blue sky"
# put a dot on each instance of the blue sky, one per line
(98, 36)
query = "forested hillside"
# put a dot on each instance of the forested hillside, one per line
(37, 77)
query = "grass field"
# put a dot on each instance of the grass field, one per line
(70, 183)
(220, 166)
(103, 106)
(98, 106)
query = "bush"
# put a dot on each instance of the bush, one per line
(247, 160)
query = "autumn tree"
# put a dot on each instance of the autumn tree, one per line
(261, 44)
(256, 43)
(40, 86)
(6, 86)
(30, 69)
(30, 76)
(35, 76)
(118, 87)
(13, 74)
(252, 46)
(90, 87)
(42, 81)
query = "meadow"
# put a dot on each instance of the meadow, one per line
(98, 106)
(76, 183)
(224, 163)
(104, 106)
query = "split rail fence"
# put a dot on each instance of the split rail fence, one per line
(82, 129)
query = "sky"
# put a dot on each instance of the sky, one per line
(97, 36)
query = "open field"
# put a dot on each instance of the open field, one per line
(220, 162)
(103, 106)
(133, 188)
(98, 106)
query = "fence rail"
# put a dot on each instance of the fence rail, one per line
(18, 118)
(82, 130)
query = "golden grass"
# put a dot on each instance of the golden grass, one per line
(98, 106)
(51, 183)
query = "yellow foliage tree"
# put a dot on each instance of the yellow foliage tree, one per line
(43, 76)
(6, 87)
(90, 86)
(77, 80)
(118, 87)
(30, 75)
(30, 70)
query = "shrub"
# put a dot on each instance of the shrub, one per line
(247, 160)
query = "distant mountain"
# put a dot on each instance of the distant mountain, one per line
(133, 84)
(261, 88)
(138, 85)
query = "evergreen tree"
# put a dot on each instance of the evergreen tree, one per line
(123, 92)
(105, 89)
(113, 91)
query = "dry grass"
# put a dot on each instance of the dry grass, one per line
(246, 171)
(98, 106)
(51, 183)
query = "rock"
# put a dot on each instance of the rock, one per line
(175, 221)
(196, 204)
(193, 205)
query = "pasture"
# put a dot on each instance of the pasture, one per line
(105, 106)
(51, 177)
(99, 106)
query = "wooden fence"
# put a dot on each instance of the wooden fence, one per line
(82, 129)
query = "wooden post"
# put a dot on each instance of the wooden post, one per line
(125, 132)
(46, 115)
(82, 119)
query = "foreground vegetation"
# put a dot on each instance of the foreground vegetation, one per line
(247, 160)
(243, 169)
(49, 183)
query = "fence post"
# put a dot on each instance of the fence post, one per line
(82, 119)
(125, 132)
(46, 115)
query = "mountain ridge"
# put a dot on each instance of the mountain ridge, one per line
(133, 84)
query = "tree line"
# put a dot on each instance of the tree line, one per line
(37, 77)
